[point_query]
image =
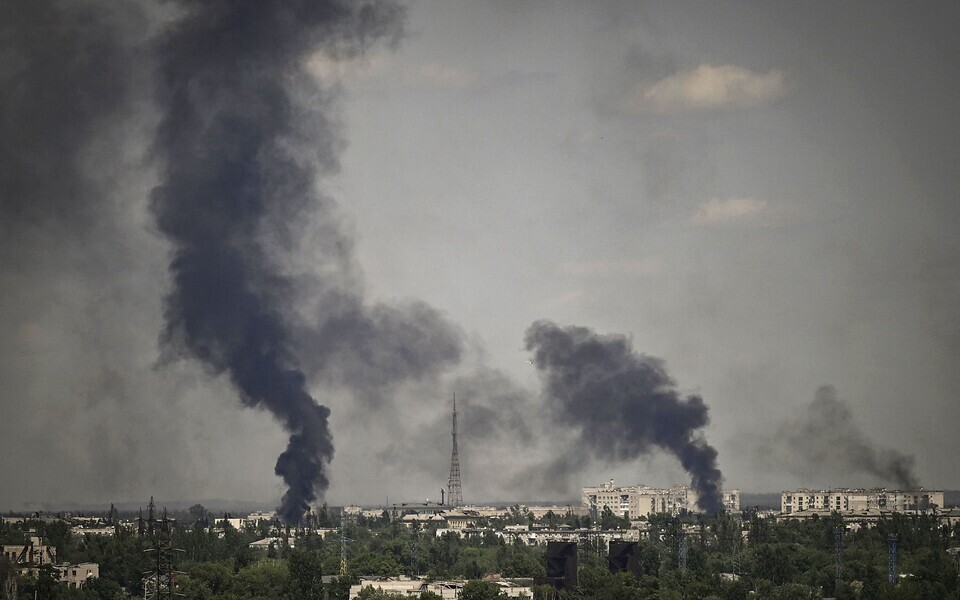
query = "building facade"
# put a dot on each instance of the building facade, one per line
(29, 555)
(78, 575)
(859, 499)
(638, 501)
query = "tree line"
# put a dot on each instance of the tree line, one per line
(724, 557)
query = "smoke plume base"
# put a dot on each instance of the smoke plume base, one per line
(623, 405)
(825, 441)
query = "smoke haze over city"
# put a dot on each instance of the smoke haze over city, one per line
(251, 250)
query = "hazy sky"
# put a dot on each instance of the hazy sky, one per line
(763, 195)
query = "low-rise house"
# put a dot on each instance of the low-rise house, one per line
(78, 575)
(235, 523)
(30, 555)
(423, 520)
(81, 531)
(277, 542)
(460, 519)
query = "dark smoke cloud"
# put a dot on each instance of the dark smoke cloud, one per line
(245, 135)
(825, 441)
(622, 405)
(63, 76)
(495, 423)
(369, 349)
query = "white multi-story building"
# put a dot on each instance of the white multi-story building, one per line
(638, 501)
(859, 499)
(255, 518)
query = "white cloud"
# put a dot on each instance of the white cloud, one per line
(384, 66)
(708, 88)
(730, 211)
(607, 268)
(331, 69)
(444, 76)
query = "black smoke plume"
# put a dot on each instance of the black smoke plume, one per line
(622, 404)
(825, 441)
(63, 77)
(238, 115)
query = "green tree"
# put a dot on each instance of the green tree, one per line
(266, 580)
(481, 590)
(306, 569)
(372, 593)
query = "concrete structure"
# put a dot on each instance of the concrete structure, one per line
(82, 531)
(423, 520)
(540, 512)
(255, 518)
(29, 555)
(367, 513)
(858, 499)
(78, 575)
(448, 590)
(277, 542)
(397, 511)
(638, 501)
(235, 523)
(460, 519)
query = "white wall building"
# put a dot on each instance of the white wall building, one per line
(31, 554)
(448, 590)
(859, 499)
(78, 575)
(638, 501)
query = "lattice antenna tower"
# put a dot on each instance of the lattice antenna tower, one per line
(682, 550)
(454, 491)
(343, 545)
(161, 581)
(838, 551)
(892, 559)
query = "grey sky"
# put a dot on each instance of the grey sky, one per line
(761, 194)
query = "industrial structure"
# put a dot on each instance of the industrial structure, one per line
(454, 491)
(161, 580)
(638, 501)
(561, 567)
(843, 500)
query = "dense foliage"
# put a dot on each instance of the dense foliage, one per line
(726, 558)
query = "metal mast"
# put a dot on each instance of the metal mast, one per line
(892, 559)
(454, 492)
(838, 552)
(161, 581)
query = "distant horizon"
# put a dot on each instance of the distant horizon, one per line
(952, 497)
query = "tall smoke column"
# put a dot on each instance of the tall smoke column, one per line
(825, 441)
(233, 173)
(623, 404)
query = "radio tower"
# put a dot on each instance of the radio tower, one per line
(454, 492)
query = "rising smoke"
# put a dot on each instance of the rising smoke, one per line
(826, 442)
(245, 138)
(63, 79)
(243, 131)
(623, 405)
